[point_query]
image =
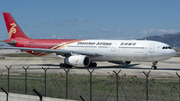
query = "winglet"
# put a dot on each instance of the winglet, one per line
(13, 29)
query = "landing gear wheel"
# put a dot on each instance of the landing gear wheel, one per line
(61, 65)
(68, 66)
(93, 64)
(154, 67)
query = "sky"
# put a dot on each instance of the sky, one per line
(92, 19)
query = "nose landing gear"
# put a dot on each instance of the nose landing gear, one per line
(154, 65)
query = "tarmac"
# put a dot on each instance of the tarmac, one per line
(166, 68)
(23, 97)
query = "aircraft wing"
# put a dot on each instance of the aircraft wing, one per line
(59, 52)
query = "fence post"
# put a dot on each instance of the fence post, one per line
(37, 93)
(45, 69)
(179, 84)
(25, 78)
(117, 73)
(67, 71)
(6, 94)
(90, 83)
(8, 68)
(147, 75)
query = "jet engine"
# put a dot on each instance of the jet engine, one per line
(78, 60)
(121, 62)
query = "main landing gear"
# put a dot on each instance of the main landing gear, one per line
(154, 65)
(63, 65)
(93, 64)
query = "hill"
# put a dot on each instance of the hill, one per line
(170, 39)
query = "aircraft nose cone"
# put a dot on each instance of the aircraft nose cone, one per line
(173, 53)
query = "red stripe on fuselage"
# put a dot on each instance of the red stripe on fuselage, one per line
(42, 43)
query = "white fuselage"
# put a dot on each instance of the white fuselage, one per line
(124, 50)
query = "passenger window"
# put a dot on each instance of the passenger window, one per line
(125, 43)
(130, 44)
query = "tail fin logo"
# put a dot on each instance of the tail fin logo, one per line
(12, 30)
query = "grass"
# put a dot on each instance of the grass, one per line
(177, 55)
(160, 89)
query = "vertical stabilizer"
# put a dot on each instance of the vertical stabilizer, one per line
(13, 29)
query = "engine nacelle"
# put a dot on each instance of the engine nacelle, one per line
(121, 62)
(78, 60)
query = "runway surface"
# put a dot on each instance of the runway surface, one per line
(166, 68)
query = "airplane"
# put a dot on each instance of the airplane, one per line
(86, 52)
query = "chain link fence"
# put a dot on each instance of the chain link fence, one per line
(85, 86)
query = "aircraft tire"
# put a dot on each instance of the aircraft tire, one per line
(67, 66)
(154, 67)
(93, 64)
(61, 65)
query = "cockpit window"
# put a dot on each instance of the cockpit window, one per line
(166, 47)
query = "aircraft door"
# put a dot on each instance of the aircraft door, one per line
(113, 47)
(151, 48)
